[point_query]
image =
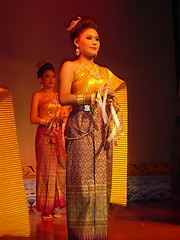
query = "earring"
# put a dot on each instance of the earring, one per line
(41, 85)
(77, 51)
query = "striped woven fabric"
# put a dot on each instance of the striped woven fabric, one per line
(120, 154)
(14, 213)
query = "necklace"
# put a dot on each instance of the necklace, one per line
(54, 100)
(95, 74)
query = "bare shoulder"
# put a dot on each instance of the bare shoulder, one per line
(68, 66)
(37, 95)
(71, 66)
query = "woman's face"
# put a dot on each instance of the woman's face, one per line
(48, 80)
(88, 42)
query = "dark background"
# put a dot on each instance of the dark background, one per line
(138, 43)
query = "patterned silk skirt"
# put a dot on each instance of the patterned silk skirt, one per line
(50, 171)
(89, 168)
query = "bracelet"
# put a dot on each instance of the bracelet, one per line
(80, 100)
(93, 98)
(43, 121)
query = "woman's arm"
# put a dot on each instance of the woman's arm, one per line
(34, 115)
(66, 78)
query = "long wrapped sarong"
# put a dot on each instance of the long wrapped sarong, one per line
(50, 171)
(89, 167)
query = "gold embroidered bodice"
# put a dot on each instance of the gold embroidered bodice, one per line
(49, 107)
(91, 78)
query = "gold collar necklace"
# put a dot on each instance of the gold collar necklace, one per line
(95, 73)
(54, 100)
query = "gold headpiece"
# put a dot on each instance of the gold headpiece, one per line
(40, 63)
(73, 24)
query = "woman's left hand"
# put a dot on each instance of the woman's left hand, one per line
(112, 99)
(62, 115)
(110, 93)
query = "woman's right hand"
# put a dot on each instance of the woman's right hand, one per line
(45, 121)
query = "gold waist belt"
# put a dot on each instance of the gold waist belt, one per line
(87, 108)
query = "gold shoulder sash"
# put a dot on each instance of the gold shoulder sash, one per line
(120, 152)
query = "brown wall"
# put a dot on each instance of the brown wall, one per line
(137, 44)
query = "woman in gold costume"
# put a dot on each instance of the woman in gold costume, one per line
(90, 89)
(49, 144)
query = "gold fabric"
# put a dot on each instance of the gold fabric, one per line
(49, 109)
(84, 83)
(14, 213)
(120, 154)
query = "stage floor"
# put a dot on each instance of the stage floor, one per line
(143, 220)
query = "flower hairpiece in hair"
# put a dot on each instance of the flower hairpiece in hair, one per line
(40, 63)
(73, 24)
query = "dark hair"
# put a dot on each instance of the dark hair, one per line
(43, 68)
(85, 22)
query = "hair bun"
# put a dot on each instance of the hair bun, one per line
(40, 63)
(77, 25)
(73, 24)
